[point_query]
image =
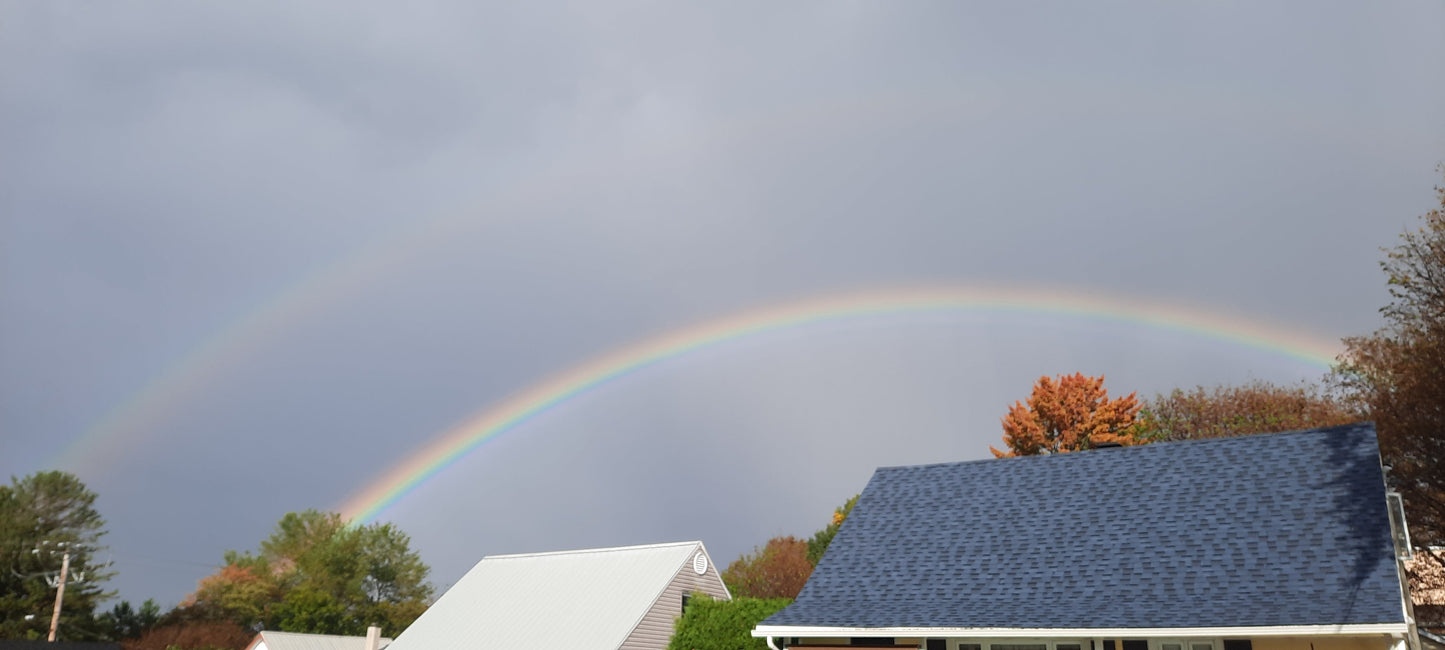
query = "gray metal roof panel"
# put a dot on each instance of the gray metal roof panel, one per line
(1264, 530)
(587, 600)
(301, 641)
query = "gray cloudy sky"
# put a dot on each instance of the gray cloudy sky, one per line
(328, 231)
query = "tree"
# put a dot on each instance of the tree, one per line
(245, 594)
(193, 635)
(777, 570)
(316, 574)
(1069, 414)
(125, 622)
(1256, 407)
(1399, 374)
(43, 511)
(710, 624)
(818, 543)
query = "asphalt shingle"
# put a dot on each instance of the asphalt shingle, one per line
(1264, 530)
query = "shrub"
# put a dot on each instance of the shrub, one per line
(710, 624)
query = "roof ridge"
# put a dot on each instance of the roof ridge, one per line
(608, 549)
(1128, 448)
(334, 636)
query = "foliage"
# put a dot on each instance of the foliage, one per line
(1069, 414)
(315, 574)
(245, 594)
(125, 622)
(710, 624)
(1256, 407)
(42, 511)
(777, 570)
(193, 635)
(1399, 374)
(818, 543)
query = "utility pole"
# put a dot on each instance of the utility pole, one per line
(60, 592)
(59, 583)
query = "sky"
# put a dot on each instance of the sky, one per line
(254, 255)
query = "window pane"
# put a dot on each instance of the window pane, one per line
(1171, 646)
(970, 646)
(1067, 646)
(1018, 646)
(1201, 645)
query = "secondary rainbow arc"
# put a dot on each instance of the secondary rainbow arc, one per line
(453, 444)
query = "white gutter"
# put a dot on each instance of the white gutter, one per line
(1118, 632)
(770, 643)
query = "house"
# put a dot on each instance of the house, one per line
(596, 599)
(299, 641)
(1266, 542)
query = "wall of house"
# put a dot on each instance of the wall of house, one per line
(1381, 642)
(655, 628)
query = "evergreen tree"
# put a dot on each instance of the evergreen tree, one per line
(43, 516)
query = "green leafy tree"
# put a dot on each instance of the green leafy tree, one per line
(1399, 374)
(44, 511)
(710, 624)
(818, 543)
(316, 574)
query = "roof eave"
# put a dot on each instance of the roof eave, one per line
(1351, 629)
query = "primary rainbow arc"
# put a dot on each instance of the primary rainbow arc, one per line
(460, 440)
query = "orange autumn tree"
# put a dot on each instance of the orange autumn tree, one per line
(1068, 414)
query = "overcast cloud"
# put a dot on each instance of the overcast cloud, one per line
(393, 217)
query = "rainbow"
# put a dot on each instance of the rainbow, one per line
(453, 444)
(123, 428)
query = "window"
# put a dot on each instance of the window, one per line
(685, 598)
(1022, 644)
(1186, 644)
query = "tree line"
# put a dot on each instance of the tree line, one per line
(313, 574)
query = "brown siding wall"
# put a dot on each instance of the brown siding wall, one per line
(1381, 642)
(653, 632)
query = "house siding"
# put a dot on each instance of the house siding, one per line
(1324, 643)
(655, 628)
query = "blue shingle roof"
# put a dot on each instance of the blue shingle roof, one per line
(1263, 530)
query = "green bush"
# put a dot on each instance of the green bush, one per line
(723, 624)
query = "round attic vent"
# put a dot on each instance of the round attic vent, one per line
(699, 563)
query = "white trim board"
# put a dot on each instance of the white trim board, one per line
(1088, 633)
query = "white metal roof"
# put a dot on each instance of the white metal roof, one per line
(579, 600)
(295, 641)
